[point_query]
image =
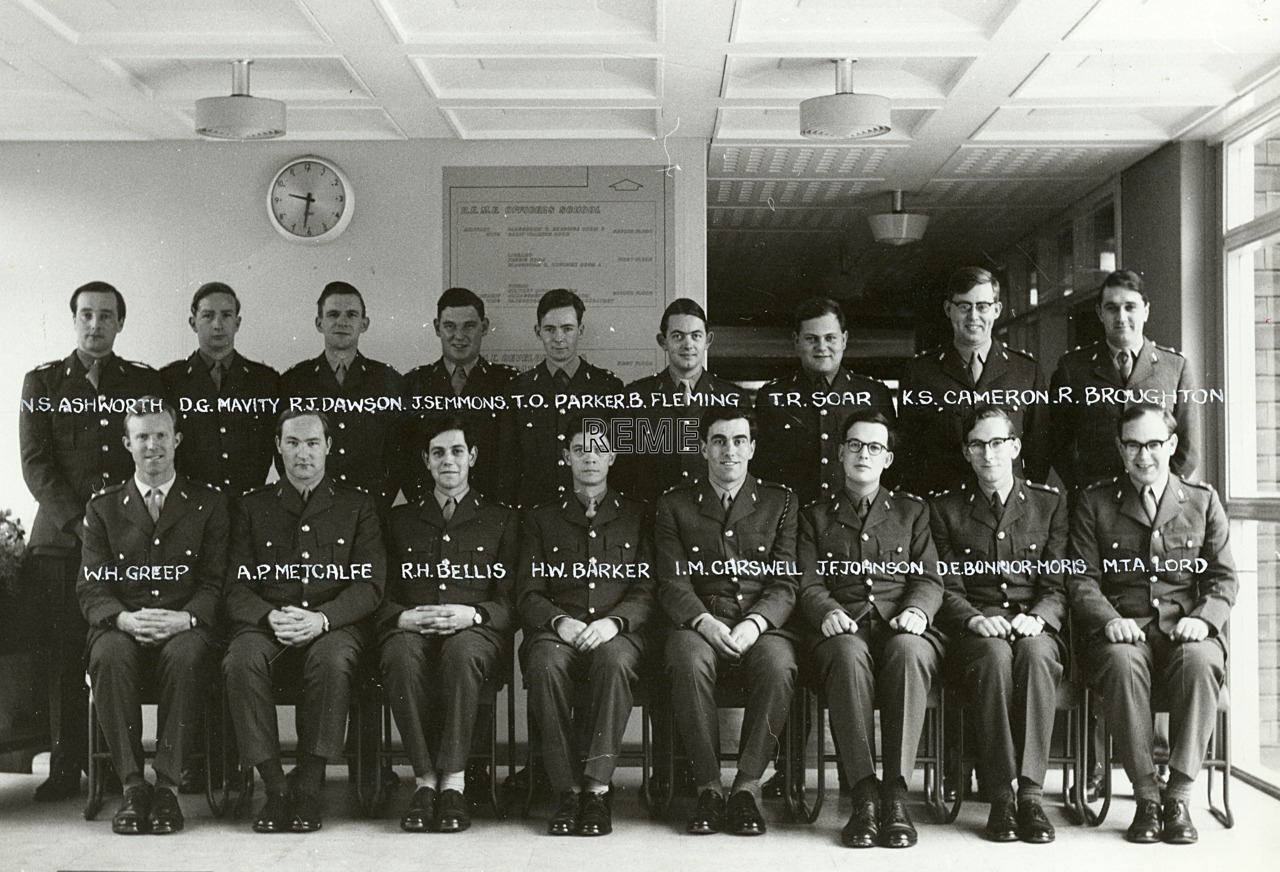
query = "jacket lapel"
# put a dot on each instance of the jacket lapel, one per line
(176, 505)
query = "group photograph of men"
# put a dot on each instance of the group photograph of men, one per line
(988, 526)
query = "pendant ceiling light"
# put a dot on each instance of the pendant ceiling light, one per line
(897, 227)
(844, 114)
(240, 116)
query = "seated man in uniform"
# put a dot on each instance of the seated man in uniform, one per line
(873, 636)
(1155, 589)
(306, 570)
(586, 593)
(154, 556)
(726, 569)
(445, 633)
(1008, 623)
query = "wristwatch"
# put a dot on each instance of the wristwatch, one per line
(477, 619)
(194, 622)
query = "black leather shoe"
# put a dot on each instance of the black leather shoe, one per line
(421, 812)
(308, 812)
(478, 784)
(1033, 824)
(744, 815)
(896, 828)
(1145, 829)
(166, 814)
(863, 828)
(1175, 818)
(193, 778)
(134, 814)
(1002, 822)
(595, 817)
(274, 816)
(60, 785)
(565, 821)
(775, 787)
(1093, 787)
(708, 817)
(452, 813)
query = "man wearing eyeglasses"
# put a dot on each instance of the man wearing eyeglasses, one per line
(1102, 379)
(942, 386)
(869, 592)
(1002, 541)
(1153, 594)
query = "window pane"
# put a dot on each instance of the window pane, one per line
(1266, 176)
(1269, 644)
(1253, 369)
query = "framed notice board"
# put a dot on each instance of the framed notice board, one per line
(605, 233)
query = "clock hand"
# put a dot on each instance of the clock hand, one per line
(300, 197)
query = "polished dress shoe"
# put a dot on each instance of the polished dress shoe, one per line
(308, 812)
(1033, 824)
(1175, 818)
(896, 828)
(1002, 821)
(775, 787)
(274, 816)
(452, 813)
(708, 817)
(421, 812)
(863, 828)
(595, 817)
(744, 815)
(565, 821)
(134, 814)
(166, 814)
(60, 785)
(1145, 829)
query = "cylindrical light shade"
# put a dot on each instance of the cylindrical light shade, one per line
(240, 117)
(897, 228)
(844, 116)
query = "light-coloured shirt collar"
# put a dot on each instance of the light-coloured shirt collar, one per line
(209, 360)
(1133, 352)
(983, 351)
(86, 360)
(692, 380)
(1158, 488)
(164, 489)
(467, 369)
(442, 497)
(1005, 492)
(585, 495)
(344, 357)
(570, 368)
(857, 497)
(732, 492)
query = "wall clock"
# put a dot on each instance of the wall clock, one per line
(310, 200)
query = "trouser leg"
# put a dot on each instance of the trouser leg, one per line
(611, 681)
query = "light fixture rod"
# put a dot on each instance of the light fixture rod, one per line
(897, 201)
(844, 75)
(240, 78)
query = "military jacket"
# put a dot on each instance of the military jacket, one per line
(888, 563)
(228, 434)
(469, 560)
(648, 475)
(730, 566)
(326, 556)
(800, 429)
(1083, 435)
(538, 443)
(364, 428)
(72, 440)
(938, 393)
(130, 562)
(1027, 545)
(1178, 567)
(588, 570)
(483, 405)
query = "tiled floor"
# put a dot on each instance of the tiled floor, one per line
(55, 837)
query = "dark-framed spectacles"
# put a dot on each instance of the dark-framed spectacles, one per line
(874, 449)
(1133, 446)
(977, 446)
(983, 307)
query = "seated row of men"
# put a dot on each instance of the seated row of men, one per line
(869, 585)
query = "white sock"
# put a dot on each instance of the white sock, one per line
(453, 781)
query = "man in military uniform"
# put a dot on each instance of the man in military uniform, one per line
(869, 593)
(445, 633)
(305, 571)
(1153, 594)
(466, 384)
(69, 429)
(674, 399)
(585, 596)
(938, 386)
(546, 394)
(154, 558)
(1008, 626)
(226, 405)
(1105, 378)
(726, 575)
(366, 433)
(800, 415)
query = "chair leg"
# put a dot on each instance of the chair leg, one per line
(94, 803)
(1221, 746)
(805, 812)
(954, 811)
(529, 790)
(494, 804)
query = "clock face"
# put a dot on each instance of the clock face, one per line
(310, 200)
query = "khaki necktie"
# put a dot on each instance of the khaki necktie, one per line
(864, 508)
(155, 503)
(997, 507)
(591, 508)
(561, 378)
(1124, 366)
(449, 506)
(1149, 503)
(94, 375)
(215, 372)
(975, 367)
(341, 373)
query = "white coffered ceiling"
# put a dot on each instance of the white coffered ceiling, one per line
(1003, 110)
